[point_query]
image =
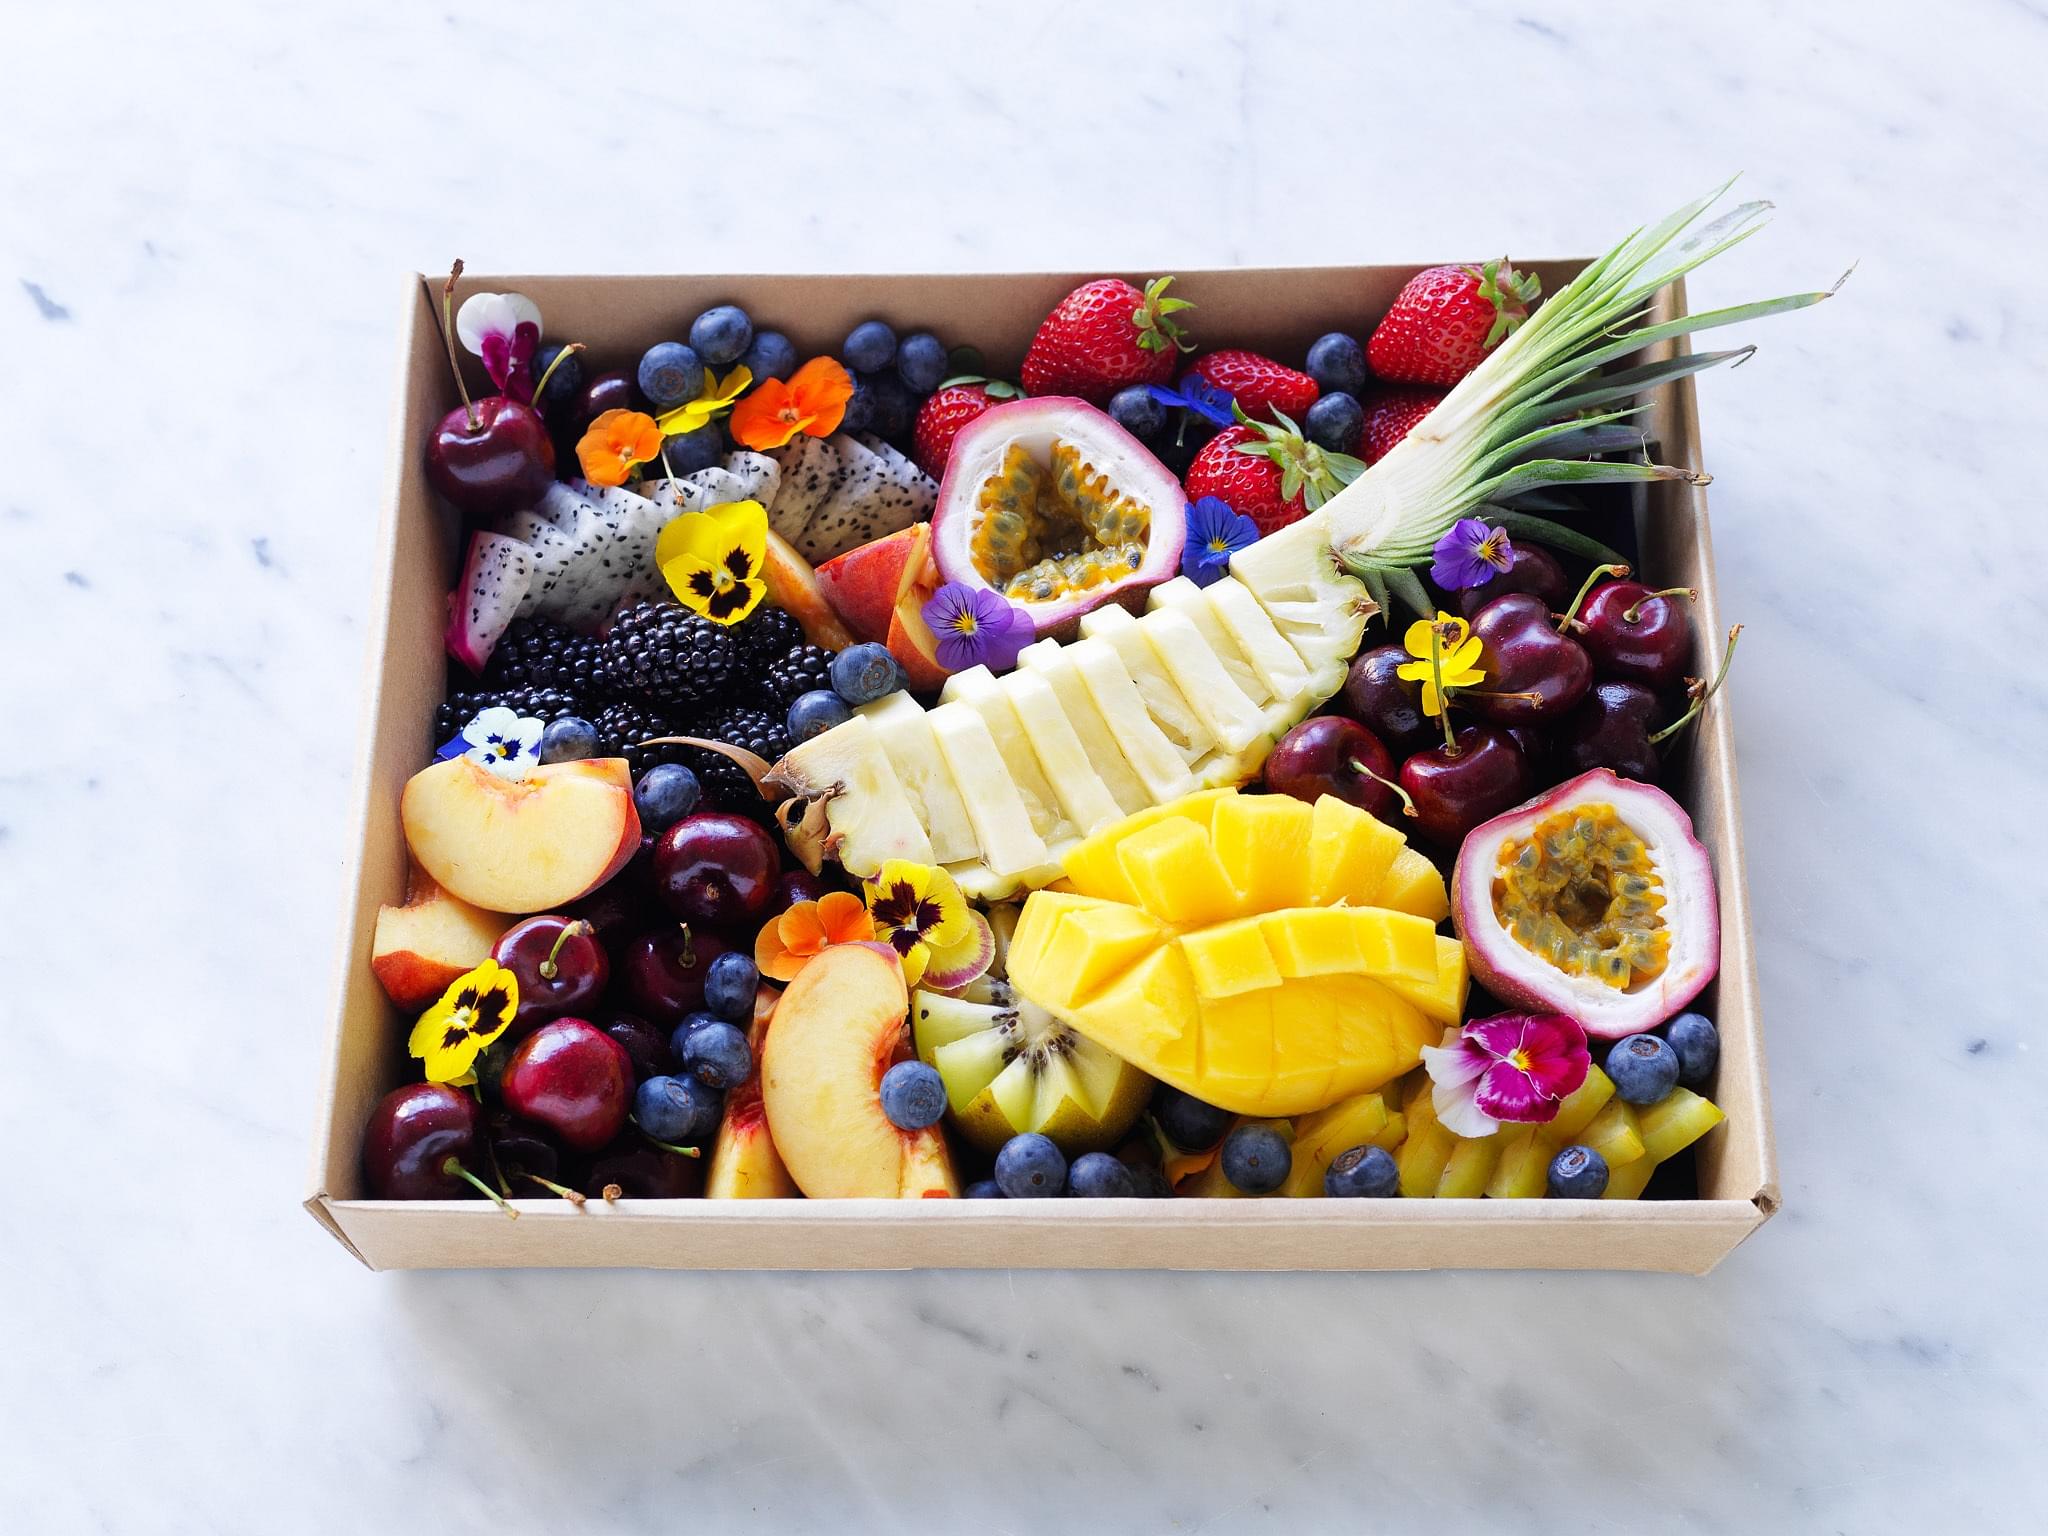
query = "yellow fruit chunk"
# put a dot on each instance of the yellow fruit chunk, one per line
(1036, 924)
(1579, 1108)
(1314, 941)
(1172, 867)
(1441, 999)
(1350, 852)
(1412, 884)
(1629, 1181)
(1613, 1134)
(1523, 1171)
(1231, 958)
(1361, 1120)
(1675, 1122)
(1092, 945)
(1471, 1166)
(1237, 1062)
(1149, 1015)
(1262, 842)
(1396, 944)
(1423, 1157)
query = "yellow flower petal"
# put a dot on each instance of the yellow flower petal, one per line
(913, 965)
(1415, 641)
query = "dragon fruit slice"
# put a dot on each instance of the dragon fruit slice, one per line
(760, 475)
(921, 487)
(598, 570)
(810, 475)
(550, 546)
(637, 522)
(495, 576)
(867, 505)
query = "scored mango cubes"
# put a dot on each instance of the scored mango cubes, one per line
(1266, 955)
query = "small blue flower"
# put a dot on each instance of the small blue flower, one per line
(1215, 533)
(500, 740)
(1470, 555)
(1198, 395)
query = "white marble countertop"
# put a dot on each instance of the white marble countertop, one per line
(208, 210)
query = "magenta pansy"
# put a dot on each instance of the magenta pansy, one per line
(1513, 1066)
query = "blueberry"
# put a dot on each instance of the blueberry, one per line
(568, 738)
(670, 374)
(1334, 422)
(1030, 1167)
(665, 794)
(1101, 1176)
(859, 414)
(694, 1020)
(1137, 412)
(771, 356)
(692, 451)
(1644, 1069)
(1578, 1173)
(1363, 1171)
(1188, 1123)
(718, 1056)
(678, 1109)
(913, 1095)
(730, 982)
(722, 334)
(869, 347)
(1691, 1035)
(895, 404)
(983, 1189)
(563, 385)
(816, 712)
(1256, 1159)
(1337, 362)
(1150, 1184)
(863, 673)
(921, 362)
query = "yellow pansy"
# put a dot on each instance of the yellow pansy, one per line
(713, 560)
(1446, 656)
(921, 915)
(471, 1014)
(712, 402)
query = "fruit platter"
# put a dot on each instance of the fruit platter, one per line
(1222, 770)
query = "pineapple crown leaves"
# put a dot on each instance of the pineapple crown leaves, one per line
(1509, 292)
(1306, 470)
(1156, 333)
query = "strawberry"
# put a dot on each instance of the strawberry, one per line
(1104, 336)
(1270, 474)
(1257, 383)
(954, 404)
(1391, 416)
(1447, 319)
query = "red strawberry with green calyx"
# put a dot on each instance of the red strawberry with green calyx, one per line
(1262, 386)
(1447, 319)
(1103, 337)
(1270, 474)
(951, 406)
(1391, 416)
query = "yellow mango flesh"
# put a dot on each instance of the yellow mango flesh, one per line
(1239, 947)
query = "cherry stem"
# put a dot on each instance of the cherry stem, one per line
(1407, 801)
(454, 1165)
(1634, 610)
(1701, 695)
(611, 1193)
(1443, 700)
(573, 1196)
(448, 339)
(560, 358)
(666, 1146)
(1593, 578)
(1481, 693)
(548, 969)
(497, 1168)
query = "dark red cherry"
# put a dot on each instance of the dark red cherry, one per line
(661, 973)
(647, 1046)
(1525, 655)
(491, 458)
(1636, 634)
(1530, 569)
(561, 966)
(642, 1172)
(414, 1135)
(1610, 728)
(605, 392)
(1456, 788)
(1385, 703)
(715, 867)
(573, 1079)
(1331, 755)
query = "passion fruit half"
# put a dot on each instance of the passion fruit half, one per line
(1595, 900)
(1053, 505)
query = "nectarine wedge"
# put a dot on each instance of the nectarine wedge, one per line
(421, 947)
(521, 845)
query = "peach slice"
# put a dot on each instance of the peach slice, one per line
(794, 586)
(744, 1163)
(864, 585)
(521, 845)
(839, 1026)
(421, 947)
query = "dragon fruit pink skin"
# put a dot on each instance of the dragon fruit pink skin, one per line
(494, 578)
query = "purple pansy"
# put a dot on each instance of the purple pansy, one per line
(1470, 555)
(1215, 533)
(1513, 1066)
(977, 627)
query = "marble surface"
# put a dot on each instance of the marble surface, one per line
(208, 211)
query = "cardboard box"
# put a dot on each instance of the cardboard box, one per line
(1275, 310)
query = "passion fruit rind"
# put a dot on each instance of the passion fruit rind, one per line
(1594, 899)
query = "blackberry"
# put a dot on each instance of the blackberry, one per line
(541, 653)
(659, 653)
(799, 670)
(764, 637)
(727, 786)
(542, 704)
(757, 730)
(619, 726)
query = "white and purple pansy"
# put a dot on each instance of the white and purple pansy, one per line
(504, 330)
(499, 740)
(1513, 1066)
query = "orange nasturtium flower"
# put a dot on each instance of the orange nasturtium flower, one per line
(809, 928)
(813, 401)
(617, 441)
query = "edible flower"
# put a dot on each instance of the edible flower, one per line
(920, 914)
(977, 627)
(713, 560)
(1446, 656)
(807, 930)
(1513, 1066)
(712, 402)
(1215, 533)
(813, 401)
(1194, 393)
(498, 739)
(614, 443)
(1470, 555)
(471, 1014)
(504, 330)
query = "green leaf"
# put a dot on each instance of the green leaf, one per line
(1376, 586)
(1540, 530)
(1402, 583)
